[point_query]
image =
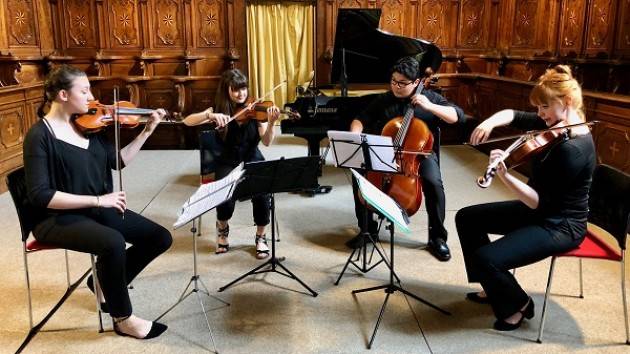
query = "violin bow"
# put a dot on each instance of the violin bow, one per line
(117, 140)
(534, 132)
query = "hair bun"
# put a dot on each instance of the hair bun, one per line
(563, 69)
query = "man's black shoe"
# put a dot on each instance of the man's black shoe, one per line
(439, 249)
(357, 241)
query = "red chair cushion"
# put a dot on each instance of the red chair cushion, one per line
(593, 247)
(34, 245)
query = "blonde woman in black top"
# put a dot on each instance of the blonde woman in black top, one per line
(69, 182)
(549, 215)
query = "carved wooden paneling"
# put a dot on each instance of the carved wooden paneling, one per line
(600, 30)
(572, 25)
(123, 22)
(80, 23)
(622, 47)
(168, 21)
(21, 23)
(398, 16)
(211, 23)
(434, 22)
(11, 127)
(473, 20)
(525, 23)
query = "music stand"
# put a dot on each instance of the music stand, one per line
(207, 197)
(270, 177)
(395, 215)
(367, 153)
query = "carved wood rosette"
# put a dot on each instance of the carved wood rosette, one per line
(211, 23)
(571, 26)
(168, 22)
(525, 23)
(393, 17)
(20, 17)
(600, 30)
(124, 23)
(80, 23)
(433, 21)
(472, 24)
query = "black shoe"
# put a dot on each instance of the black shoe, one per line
(527, 313)
(358, 240)
(439, 249)
(474, 297)
(156, 330)
(90, 285)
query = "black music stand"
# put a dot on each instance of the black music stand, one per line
(270, 177)
(357, 151)
(400, 216)
(207, 197)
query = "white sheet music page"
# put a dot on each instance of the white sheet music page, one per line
(347, 152)
(382, 202)
(208, 196)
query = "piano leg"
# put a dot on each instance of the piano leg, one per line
(313, 150)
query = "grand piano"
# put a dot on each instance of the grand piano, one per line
(363, 54)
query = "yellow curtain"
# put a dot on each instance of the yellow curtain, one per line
(280, 43)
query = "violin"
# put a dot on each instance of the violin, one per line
(258, 111)
(526, 146)
(100, 116)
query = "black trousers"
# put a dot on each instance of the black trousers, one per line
(261, 204)
(103, 232)
(527, 239)
(434, 199)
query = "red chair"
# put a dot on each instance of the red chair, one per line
(609, 209)
(26, 215)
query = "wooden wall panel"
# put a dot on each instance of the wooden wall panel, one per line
(622, 46)
(80, 24)
(600, 28)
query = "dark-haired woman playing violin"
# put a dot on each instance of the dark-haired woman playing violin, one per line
(239, 140)
(550, 213)
(69, 182)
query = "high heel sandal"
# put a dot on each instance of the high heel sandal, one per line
(156, 330)
(261, 241)
(526, 313)
(222, 235)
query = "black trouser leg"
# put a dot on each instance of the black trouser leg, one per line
(527, 240)
(435, 201)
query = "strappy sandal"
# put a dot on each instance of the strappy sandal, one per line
(262, 250)
(222, 235)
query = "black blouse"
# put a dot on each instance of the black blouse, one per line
(53, 165)
(240, 144)
(561, 175)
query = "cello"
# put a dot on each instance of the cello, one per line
(414, 139)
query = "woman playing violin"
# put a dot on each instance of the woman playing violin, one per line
(239, 140)
(69, 182)
(549, 215)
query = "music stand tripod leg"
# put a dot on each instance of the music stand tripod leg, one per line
(390, 288)
(273, 261)
(195, 279)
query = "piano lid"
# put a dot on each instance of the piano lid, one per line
(370, 52)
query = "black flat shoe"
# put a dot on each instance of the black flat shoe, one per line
(358, 240)
(528, 312)
(501, 325)
(156, 330)
(474, 297)
(90, 285)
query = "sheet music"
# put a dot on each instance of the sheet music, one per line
(347, 150)
(382, 202)
(208, 196)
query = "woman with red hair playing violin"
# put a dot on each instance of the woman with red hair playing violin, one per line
(69, 183)
(238, 140)
(550, 213)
